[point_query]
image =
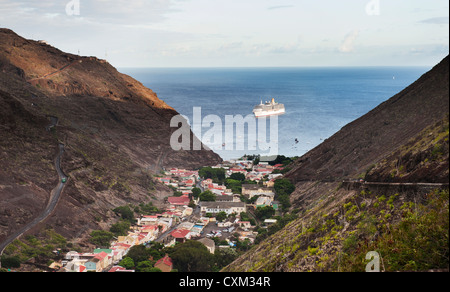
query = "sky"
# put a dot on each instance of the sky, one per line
(238, 33)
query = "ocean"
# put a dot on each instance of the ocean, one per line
(318, 101)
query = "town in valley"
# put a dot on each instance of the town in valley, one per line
(223, 207)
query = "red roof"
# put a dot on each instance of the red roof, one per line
(180, 233)
(183, 200)
(101, 255)
(117, 268)
(149, 227)
(123, 245)
(166, 261)
(150, 216)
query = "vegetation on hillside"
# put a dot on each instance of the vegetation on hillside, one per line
(410, 234)
(38, 252)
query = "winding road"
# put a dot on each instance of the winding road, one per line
(418, 184)
(57, 71)
(53, 200)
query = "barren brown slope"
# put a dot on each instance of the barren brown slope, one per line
(116, 134)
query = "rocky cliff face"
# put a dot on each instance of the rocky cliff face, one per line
(404, 140)
(116, 134)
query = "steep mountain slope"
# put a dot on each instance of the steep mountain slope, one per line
(340, 220)
(116, 134)
(361, 143)
(353, 151)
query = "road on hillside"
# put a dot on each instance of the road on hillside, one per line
(52, 202)
(425, 185)
(57, 71)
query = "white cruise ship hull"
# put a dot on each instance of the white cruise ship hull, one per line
(261, 114)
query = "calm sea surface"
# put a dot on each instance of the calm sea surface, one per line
(318, 101)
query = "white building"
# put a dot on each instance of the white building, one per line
(227, 207)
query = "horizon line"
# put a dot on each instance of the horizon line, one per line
(274, 67)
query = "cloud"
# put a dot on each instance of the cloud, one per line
(280, 7)
(347, 45)
(436, 20)
(95, 11)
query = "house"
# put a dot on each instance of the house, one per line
(206, 182)
(76, 265)
(187, 212)
(224, 198)
(189, 182)
(217, 192)
(244, 224)
(227, 207)
(180, 235)
(98, 262)
(116, 269)
(151, 231)
(93, 265)
(270, 221)
(121, 248)
(109, 254)
(275, 176)
(210, 245)
(165, 264)
(179, 201)
(263, 201)
(237, 170)
(263, 171)
(147, 220)
(250, 191)
(269, 183)
(118, 254)
(129, 239)
(164, 180)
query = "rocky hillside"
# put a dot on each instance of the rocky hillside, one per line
(361, 143)
(116, 134)
(401, 150)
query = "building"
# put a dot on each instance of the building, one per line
(165, 264)
(98, 262)
(244, 224)
(180, 235)
(225, 198)
(227, 207)
(209, 243)
(179, 201)
(250, 191)
(263, 201)
(117, 269)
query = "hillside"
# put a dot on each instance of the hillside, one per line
(401, 150)
(116, 135)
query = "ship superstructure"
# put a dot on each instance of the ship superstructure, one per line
(269, 108)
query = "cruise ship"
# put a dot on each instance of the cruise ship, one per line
(269, 108)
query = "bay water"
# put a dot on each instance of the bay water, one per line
(318, 101)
